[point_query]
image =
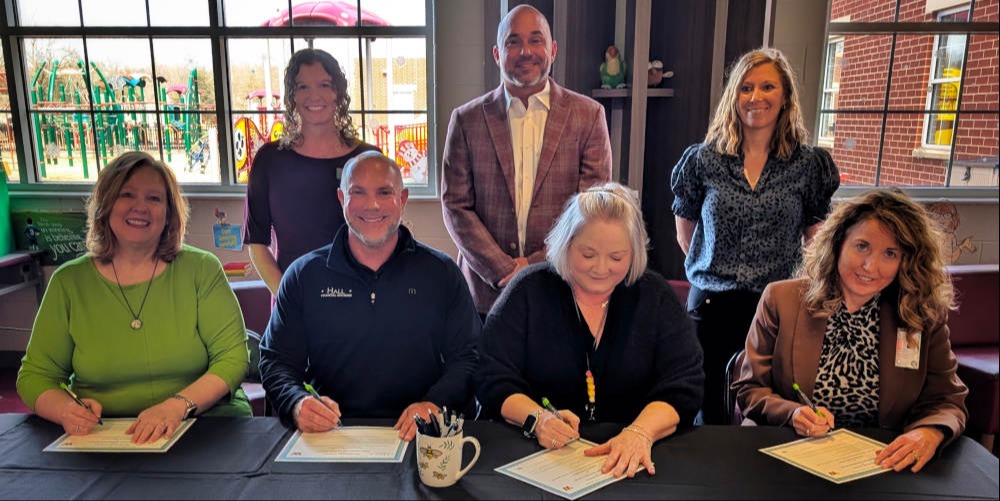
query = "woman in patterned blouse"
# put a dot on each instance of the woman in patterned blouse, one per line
(863, 331)
(744, 201)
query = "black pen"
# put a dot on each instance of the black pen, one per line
(80, 402)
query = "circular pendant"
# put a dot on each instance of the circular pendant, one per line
(136, 324)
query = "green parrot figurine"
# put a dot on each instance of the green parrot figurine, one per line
(613, 69)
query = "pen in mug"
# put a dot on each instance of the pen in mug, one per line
(80, 402)
(312, 391)
(805, 399)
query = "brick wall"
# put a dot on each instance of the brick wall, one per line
(864, 78)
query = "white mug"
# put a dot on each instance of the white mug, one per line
(439, 459)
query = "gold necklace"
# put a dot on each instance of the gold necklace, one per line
(136, 323)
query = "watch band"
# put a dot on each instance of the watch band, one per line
(528, 428)
(192, 407)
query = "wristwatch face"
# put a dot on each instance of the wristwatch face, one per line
(190, 411)
(528, 428)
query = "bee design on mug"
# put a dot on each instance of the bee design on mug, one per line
(429, 453)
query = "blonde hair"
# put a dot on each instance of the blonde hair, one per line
(725, 133)
(101, 241)
(922, 282)
(604, 202)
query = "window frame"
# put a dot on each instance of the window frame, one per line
(218, 35)
(936, 82)
(846, 27)
(830, 90)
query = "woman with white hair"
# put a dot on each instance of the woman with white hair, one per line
(597, 333)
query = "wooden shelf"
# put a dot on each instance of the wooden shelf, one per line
(650, 92)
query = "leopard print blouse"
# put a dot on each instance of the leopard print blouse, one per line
(847, 379)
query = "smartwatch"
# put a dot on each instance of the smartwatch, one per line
(528, 428)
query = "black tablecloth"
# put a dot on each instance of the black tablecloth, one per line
(234, 459)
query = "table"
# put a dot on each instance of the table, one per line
(222, 458)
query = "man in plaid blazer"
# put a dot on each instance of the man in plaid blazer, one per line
(514, 156)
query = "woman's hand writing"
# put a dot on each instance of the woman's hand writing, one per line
(810, 424)
(76, 419)
(554, 432)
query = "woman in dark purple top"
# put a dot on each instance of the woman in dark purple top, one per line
(292, 192)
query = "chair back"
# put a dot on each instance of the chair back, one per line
(733, 415)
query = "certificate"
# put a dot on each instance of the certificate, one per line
(346, 444)
(566, 472)
(111, 437)
(839, 456)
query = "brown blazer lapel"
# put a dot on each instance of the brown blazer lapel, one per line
(555, 124)
(890, 383)
(808, 347)
(495, 110)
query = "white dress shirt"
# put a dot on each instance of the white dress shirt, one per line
(527, 130)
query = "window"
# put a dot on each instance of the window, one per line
(831, 84)
(910, 94)
(163, 76)
(946, 69)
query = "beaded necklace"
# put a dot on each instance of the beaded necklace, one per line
(591, 406)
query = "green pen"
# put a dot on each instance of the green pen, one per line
(805, 399)
(551, 408)
(312, 391)
(80, 402)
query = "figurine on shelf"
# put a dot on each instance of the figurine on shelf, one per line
(655, 73)
(613, 69)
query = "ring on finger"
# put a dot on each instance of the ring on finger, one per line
(76, 428)
(554, 443)
(916, 457)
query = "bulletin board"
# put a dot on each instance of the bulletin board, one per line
(62, 234)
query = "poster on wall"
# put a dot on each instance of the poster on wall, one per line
(62, 234)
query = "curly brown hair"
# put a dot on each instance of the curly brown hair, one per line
(292, 134)
(922, 282)
(725, 133)
(101, 241)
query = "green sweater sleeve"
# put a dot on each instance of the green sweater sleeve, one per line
(220, 323)
(48, 360)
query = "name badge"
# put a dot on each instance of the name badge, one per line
(907, 349)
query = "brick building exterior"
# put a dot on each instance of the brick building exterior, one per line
(916, 146)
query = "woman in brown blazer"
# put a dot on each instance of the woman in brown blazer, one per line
(863, 334)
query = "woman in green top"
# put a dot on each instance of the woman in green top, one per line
(142, 325)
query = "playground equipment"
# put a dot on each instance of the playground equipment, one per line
(178, 99)
(325, 13)
(248, 135)
(120, 116)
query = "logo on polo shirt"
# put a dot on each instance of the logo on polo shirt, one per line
(335, 292)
